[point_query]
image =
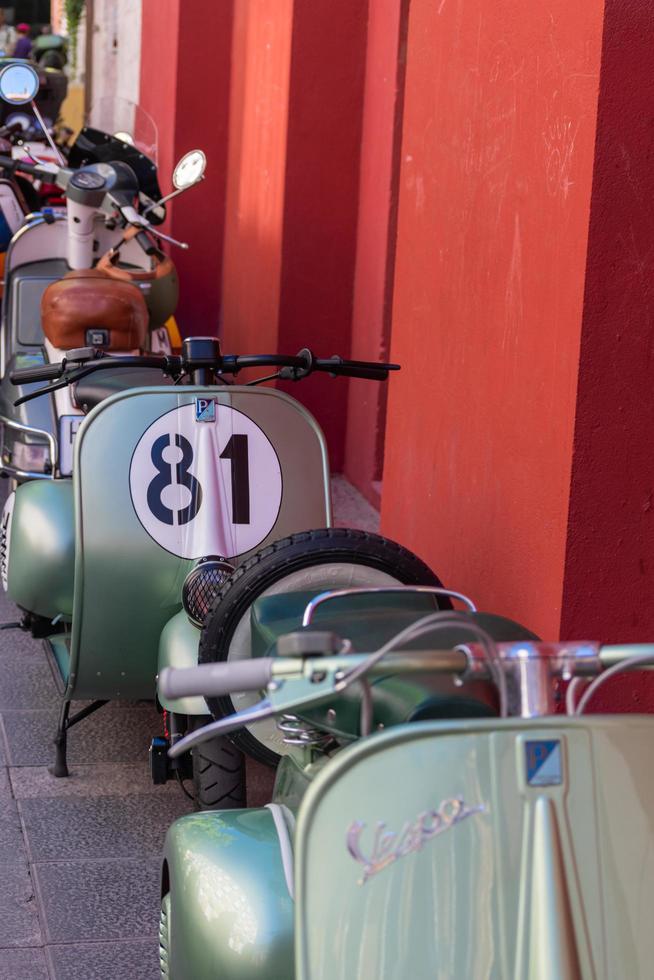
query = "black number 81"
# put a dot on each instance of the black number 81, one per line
(164, 479)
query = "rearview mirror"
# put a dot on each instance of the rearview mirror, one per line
(189, 170)
(19, 83)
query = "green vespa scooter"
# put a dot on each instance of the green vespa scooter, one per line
(109, 230)
(174, 486)
(408, 840)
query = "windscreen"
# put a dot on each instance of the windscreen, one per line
(119, 130)
(127, 121)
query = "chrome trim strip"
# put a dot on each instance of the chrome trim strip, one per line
(338, 593)
(31, 430)
(282, 817)
(25, 474)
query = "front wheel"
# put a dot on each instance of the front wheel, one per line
(218, 773)
(332, 558)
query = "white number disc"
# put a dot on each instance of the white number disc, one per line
(205, 480)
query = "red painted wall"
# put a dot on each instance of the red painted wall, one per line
(185, 76)
(380, 145)
(609, 570)
(257, 174)
(293, 187)
(321, 197)
(497, 158)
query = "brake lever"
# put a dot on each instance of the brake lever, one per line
(67, 379)
(257, 712)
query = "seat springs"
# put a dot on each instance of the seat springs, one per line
(299, 732)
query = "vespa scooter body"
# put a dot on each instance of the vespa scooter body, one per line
(37, 437)
(162, 477)
(480, 849)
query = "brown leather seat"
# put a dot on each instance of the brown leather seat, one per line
(91, 308)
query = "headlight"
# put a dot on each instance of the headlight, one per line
(202, 585)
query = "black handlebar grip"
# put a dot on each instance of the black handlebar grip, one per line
(214, 680)
(46, 372)
(367, 374)
(8, 163)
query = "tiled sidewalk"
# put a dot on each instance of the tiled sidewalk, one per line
(79, 857)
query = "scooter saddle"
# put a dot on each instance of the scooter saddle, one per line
(90, 391)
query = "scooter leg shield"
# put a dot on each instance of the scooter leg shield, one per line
(40, 548)
(229, 912)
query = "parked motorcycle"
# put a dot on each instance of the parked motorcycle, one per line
(409, 838)
(93, 274)
(173, 487)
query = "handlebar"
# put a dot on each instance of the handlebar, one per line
(45, 372)
(33, 169)
(199, 354)
(216, 680)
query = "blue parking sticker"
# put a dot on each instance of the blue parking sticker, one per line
(544, 763)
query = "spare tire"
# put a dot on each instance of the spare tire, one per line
(330, 558)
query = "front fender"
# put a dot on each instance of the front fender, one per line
(178, 647)
(231, 914)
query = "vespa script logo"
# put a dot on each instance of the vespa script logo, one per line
(389, 846)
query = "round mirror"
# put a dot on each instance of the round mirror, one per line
(189, 170)
(125, 138)
(18, 83)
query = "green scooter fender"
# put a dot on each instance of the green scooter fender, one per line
(229, 911)
(178, 647)
(41, 553)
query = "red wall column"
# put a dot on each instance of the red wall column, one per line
(292, 216)
(371, 316)
(497, 165)
(256, 174)
(185, 79)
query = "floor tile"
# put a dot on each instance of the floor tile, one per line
(12, 848)
(102, 779)
(75, 828)
(18, 643)
(86, 901)
(23, 964)
(106, 961)
(6, 789)
(115, 733)
(27, 682)
(350, 508)
(19, 922)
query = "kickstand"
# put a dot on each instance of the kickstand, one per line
(60, 767)
(11, 626)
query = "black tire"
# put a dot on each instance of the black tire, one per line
(164, 937)
(279, 560)
(218, 775)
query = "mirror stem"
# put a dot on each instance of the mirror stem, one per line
(48, 135)
(169, 197)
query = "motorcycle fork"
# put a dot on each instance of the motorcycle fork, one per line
(66, 721)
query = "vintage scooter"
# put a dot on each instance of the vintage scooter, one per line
(410, 839)
(107, 231)
(174, 486)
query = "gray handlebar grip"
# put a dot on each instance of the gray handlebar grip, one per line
(213, 680)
